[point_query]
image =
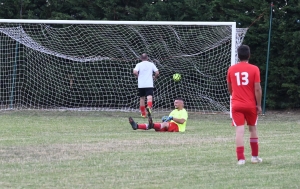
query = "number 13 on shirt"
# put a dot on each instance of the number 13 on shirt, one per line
(241, 76)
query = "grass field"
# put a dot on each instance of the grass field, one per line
(100, 150)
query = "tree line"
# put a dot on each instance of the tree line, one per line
(283, 88)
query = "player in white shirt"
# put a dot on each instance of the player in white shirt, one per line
(144, 72)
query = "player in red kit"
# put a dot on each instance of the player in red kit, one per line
(243, 81)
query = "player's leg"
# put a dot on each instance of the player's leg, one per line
(239, 141)
(238, 120)
(136, 126)
(251, 118)
(150, 122)
(149, 101)
(142, 94)
(254, 145)
(149, 94)
(142, 107)
(161, 127)
(133, 124)
(173, 127)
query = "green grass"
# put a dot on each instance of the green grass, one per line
(100, 150)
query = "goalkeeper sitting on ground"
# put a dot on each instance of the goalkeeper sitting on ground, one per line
(175, 122)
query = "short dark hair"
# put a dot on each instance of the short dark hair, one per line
(179, 98)
(144, 56)
(243, 52)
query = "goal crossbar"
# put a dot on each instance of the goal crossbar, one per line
(36, 21)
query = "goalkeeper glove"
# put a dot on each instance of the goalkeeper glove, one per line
(169, 118)
(164, 118)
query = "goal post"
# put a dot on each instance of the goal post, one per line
(87, 65)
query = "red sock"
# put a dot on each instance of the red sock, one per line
(149, 104)
(240, 152)
(156, 126)
(254, 146)
(143, 110)
(142, 126)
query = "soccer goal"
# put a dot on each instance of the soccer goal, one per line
(87, 65)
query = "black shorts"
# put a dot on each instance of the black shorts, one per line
(145, 92)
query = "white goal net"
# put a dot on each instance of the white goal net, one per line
(87, 65)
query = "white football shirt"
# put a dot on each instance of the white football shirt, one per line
(145, 69)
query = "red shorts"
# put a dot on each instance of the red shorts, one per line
(173, 127)
(240, 115)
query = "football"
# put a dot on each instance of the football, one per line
(176, 77)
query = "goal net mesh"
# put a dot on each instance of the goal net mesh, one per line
(89, 66)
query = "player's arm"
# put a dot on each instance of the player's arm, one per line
(136, 73)
(229, 86)
(155, 70)
(180, 121)
(258, 94)
(156, 74)
(257, 90)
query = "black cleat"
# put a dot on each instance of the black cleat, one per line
(150, 122)
(133, 124)
(148, 111)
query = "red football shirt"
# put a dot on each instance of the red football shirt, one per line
(243, 77)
